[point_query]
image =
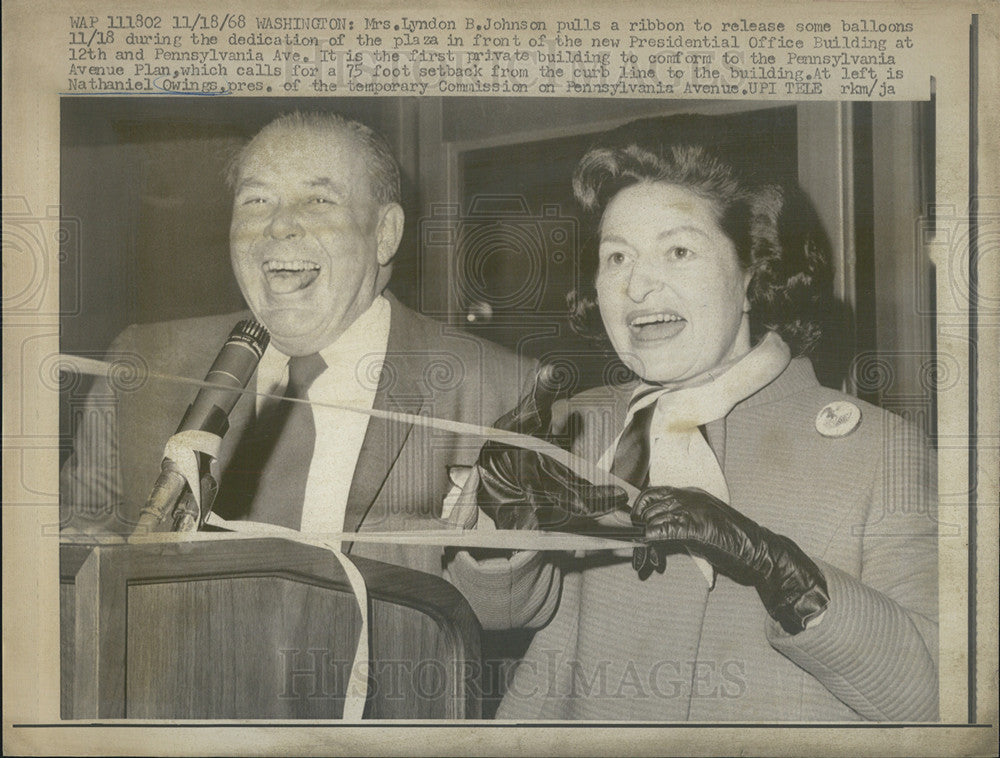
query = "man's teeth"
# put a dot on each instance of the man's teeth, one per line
(270, 266)
(656, 318)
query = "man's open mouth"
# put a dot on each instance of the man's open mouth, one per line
(284, 277)
(655, 325)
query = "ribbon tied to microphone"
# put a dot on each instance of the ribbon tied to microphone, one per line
(183, 449)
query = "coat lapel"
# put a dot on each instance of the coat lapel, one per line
(242, 416)
(241, 421)
(399, 391)
(229, 504)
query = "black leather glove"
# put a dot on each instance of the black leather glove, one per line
(790, 585)
(523, 489)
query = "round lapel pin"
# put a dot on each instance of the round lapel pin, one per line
(838, 419)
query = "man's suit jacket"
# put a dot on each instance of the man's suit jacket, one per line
(401, 476)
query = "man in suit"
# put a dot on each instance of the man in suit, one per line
(316, 224)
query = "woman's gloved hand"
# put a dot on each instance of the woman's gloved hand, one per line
(523, 489)
(790, 585)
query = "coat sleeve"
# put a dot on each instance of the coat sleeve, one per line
(519, 592)
(508, 592)
(90, 482)
(876, 647)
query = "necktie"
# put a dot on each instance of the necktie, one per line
(631, 461)
(269, 473)
(680, 457)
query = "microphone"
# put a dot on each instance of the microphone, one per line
(229, 376)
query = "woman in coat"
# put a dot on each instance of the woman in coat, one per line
(789, 566)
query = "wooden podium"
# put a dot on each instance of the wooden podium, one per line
(261, 628)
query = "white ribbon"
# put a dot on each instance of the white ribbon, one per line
(183, 448)
(587, 470)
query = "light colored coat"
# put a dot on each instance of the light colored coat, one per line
(863, 506)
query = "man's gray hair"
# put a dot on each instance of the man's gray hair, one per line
(383, 170)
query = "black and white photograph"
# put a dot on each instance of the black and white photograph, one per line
(518, 298)
(452, 409)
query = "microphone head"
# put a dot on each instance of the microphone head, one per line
(252, 334)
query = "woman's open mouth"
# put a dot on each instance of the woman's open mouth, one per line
(284, 277)
(648, 327)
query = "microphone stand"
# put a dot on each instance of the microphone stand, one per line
(172, 502)
(187, 516)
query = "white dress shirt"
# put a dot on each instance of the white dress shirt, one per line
(354, 364)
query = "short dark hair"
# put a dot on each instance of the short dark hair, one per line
(773, 228)
(383, 170)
